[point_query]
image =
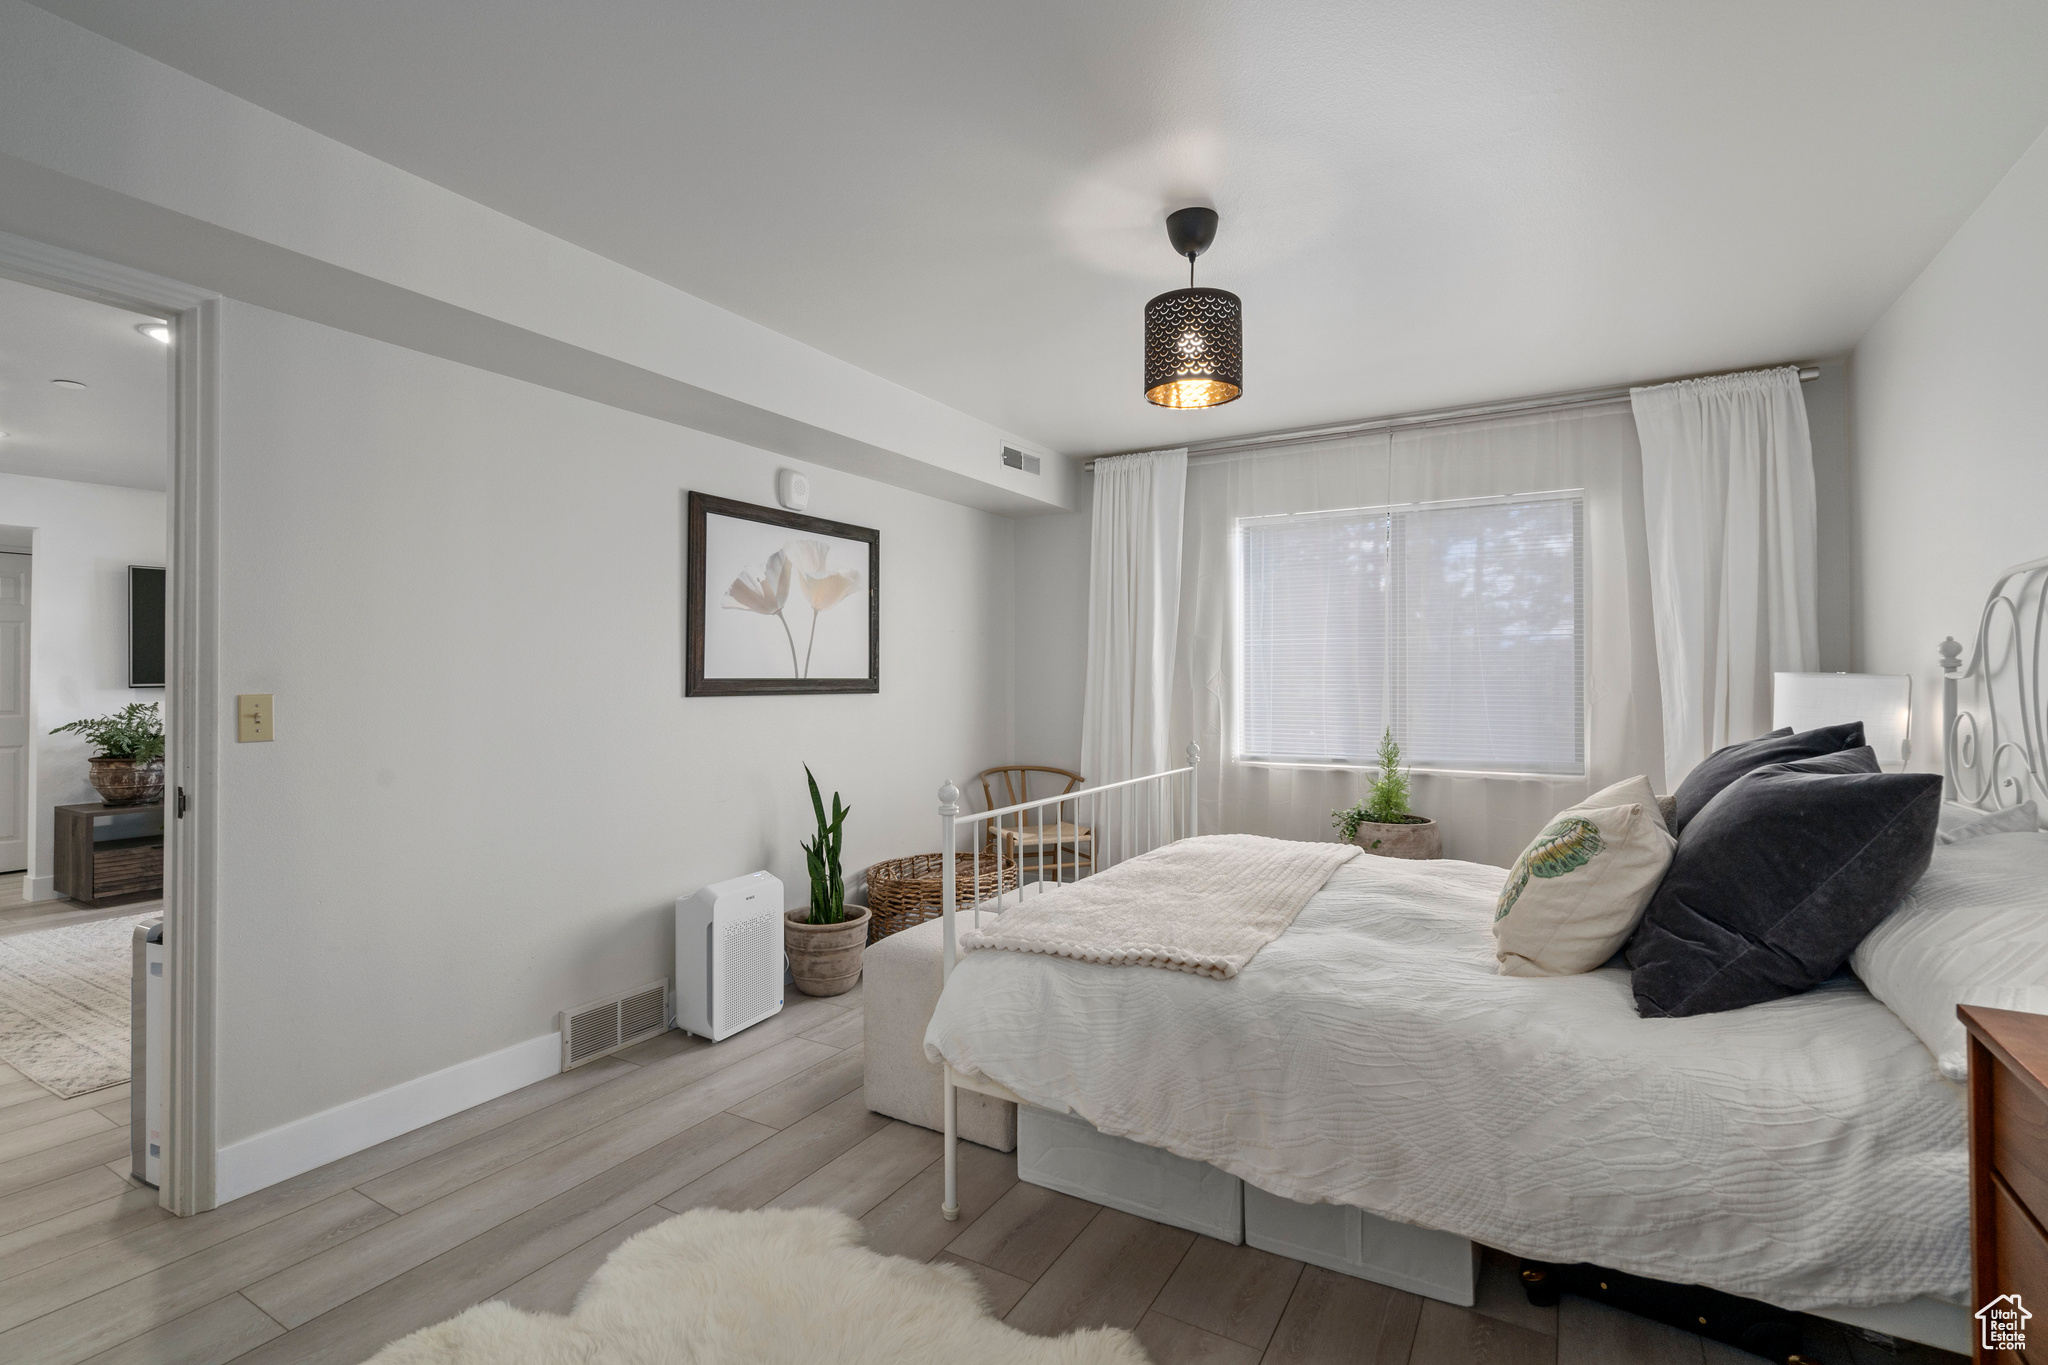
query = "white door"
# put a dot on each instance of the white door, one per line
(14, 736)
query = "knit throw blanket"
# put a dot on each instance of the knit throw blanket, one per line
(1204, 905)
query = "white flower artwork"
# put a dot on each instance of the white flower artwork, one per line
(784, 604)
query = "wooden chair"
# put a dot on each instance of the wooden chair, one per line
(1058, 846)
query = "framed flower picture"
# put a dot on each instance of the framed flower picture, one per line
(779, 602)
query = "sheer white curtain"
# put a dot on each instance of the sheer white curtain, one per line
(1134, 607)
(1486, 817)
(1729, 504)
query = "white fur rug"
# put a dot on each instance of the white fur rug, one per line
(771, 1287)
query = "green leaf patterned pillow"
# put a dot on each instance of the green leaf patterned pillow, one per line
(1565, 845)
(1574, 895)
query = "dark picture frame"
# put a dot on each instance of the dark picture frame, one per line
(700, 596)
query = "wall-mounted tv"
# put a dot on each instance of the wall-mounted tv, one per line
(145, 626)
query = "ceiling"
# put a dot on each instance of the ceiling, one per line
(1422, 203)
(117, 429)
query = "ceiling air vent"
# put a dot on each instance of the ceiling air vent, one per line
(1017, 459)
(603, 1027)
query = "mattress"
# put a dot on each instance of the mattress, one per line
(1806, 1152)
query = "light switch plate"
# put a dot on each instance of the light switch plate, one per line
(252, 718)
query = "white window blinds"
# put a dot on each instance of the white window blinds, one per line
(1460, 624)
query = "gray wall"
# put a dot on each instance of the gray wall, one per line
(487, 789)
(1951, 407)
(1051, 633)
(1052, 584)
(1828, 417)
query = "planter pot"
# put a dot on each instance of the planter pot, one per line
(124, 782)
(824, 959)
(1412, 838)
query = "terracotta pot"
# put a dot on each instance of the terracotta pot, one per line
(124, 782)
(824, 959)
(1412, 838)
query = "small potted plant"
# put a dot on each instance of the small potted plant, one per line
(128, 770)
(1382, 822)
(823, 939)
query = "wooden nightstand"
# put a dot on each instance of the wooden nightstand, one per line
(2009, 1171)
(109, 854)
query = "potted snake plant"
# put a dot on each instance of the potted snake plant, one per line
(128, 769)
(1382, 823)
(825, 939)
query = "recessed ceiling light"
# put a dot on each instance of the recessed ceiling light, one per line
(69, 383)
(156, 331)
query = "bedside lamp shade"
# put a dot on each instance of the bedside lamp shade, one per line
(1882, 701)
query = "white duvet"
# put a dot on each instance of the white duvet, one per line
(1805, 1152)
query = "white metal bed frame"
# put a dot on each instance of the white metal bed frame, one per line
(2001, 760)
(1122, 819)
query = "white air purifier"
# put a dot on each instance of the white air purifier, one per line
(729, 956)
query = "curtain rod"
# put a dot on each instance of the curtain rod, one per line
(1574, 399)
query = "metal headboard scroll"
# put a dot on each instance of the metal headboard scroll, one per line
(1995, 754)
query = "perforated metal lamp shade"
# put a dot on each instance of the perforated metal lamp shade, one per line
(1194, 348)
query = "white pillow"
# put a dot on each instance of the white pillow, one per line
(2025, 818)
(1974, 931)
(1954, 816)
(1574, 896)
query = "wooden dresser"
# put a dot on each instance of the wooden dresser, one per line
(2009, 1174)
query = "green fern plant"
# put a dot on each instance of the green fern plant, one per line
(1386, 800)
(828, 883)
(136, 732)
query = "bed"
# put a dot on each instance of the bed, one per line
(1806, 1152)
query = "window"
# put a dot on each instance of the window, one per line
(1460, 624)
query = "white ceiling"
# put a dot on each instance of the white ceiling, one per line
(1422, 203)
(114, 430)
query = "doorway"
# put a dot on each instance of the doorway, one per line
(169, 496)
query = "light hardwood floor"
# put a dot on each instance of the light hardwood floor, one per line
(522, 1198)
(18, 916)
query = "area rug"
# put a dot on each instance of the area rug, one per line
(771, 1287)
(64, 1003)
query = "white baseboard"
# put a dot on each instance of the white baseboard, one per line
(39, 888)
(293, 1148)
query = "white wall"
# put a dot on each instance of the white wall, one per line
(86, 536)
(487, 788)
(1951, 415)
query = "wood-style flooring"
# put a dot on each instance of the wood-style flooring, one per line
(18, 916)
(522, 1198)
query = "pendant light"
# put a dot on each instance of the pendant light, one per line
(1194, 338)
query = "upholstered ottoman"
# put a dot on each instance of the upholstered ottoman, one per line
(902, 977)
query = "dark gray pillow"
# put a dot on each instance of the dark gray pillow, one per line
(1724, 765)
(1778, 879)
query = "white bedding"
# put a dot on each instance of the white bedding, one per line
(1805, 1152)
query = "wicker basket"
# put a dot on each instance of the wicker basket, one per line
(903, 892)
